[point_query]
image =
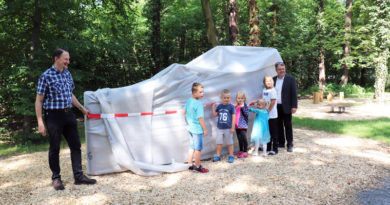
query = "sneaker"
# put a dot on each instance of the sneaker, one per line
(273, 153)
(243, 155)
(84, 180)
(57, 184)
(238, 153)
(265, 154)
(289, 149)
(201, 169)
(216, 159)
(255, 153)
(192, 167)
(231, 159)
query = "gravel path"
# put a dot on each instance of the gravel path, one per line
(323, 169)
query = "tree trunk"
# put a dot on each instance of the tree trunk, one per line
(275, 21)
(182, 41)
(347, 45)
(156, 35)
(321, 63)
(363, 79)
(381, 72)
(35, 35)
(211, 30)
(233, 28)
(254, 32)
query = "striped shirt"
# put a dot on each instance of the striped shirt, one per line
(57, 87)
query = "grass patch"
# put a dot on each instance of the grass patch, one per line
(7, 150)
(376, 129)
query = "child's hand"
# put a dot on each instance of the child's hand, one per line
(232, 130)
(205, 133)
(214, 106)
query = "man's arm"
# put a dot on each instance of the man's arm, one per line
(203, 125)
(294, 98)
(38, 113)
(76, 103)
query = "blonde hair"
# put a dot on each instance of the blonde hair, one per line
(262, 100)
(242, 94)
(195, 87)
(225, 92)
(268, 77)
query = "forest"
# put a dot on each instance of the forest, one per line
(325, 44)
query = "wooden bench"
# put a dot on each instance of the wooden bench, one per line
(341, 106)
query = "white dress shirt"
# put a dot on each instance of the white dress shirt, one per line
(278, 86)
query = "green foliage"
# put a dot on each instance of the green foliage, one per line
(377, 129)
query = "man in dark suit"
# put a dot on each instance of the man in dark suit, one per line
(287, 101)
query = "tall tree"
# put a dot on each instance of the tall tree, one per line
(380, 19)
(233, 27)
(347, 39)
(210, 26)
(254, 32)
(321, 54)
(156, 35)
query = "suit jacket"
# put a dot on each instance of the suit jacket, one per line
(289, 93)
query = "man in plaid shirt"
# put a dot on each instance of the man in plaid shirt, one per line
(54, 95)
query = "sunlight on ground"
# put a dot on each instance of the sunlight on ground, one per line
(97, 198)
(14, 164)
(355, 147)
(171, 180)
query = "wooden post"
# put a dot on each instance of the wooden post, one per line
(321, 96)
(316, 97)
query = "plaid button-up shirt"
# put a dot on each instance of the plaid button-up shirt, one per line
(57, 87)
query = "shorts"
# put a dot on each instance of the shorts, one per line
(224, 134)
(196, 141)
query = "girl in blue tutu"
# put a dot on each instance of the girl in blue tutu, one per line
(260, 130)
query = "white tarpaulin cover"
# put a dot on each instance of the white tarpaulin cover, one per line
(153, 144)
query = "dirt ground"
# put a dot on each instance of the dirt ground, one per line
(323, 169)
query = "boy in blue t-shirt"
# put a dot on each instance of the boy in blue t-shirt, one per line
(226, 119)
(196, 126)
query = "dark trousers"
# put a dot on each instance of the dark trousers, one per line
(285, 127)
(58, 124)
(242, 140)
(273, 130)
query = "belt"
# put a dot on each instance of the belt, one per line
(60, 110)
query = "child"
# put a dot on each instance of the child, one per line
(241, 124)
(260, 131)
(196, 126)
(226, 119)
(270, 96)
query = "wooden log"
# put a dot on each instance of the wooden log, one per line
(316, 97)
(321, 96)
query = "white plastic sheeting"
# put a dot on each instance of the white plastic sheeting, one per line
(153, 144)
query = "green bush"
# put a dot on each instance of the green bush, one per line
(26, 139)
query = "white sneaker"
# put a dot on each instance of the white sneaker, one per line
(255, 154)
(265, 154)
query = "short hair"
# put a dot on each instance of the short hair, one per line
(278, 64)
(58, 52)
(272, 80)
(225, 92)
(195, 86)
(261, 100)
(240, 93)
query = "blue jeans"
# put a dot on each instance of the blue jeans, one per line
(196, 141)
